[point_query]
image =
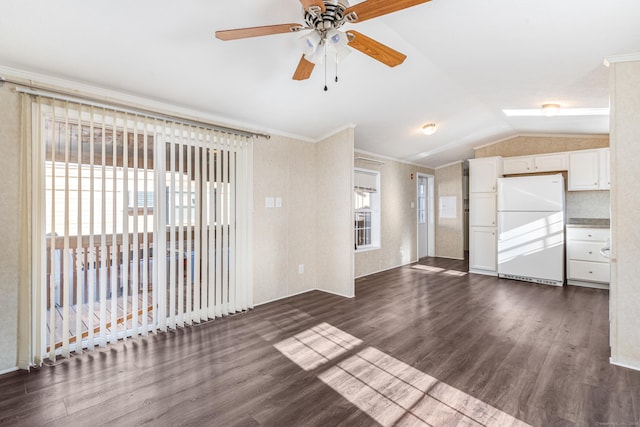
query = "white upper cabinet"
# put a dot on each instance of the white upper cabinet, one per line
(539, 163)
(512, 165)
(484, 173)
(551, 162)
(589, 170)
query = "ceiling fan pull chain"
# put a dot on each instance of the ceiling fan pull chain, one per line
(325, 68)
(336, 67)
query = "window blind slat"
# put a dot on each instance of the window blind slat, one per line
(232, 285)
(103, 255)
(219, 222)
(146, 255)
(197, 232)
(125, 249)
(172, 253)
(190, 209)
(92, 258)
(181, 249)
(55, 255)
(135, 244)
(67, 256)
(214, 190)
(80, 253)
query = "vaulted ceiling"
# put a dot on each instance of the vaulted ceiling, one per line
(467, 61)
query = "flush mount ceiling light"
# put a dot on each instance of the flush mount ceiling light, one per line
(550, 110)
(429, 128)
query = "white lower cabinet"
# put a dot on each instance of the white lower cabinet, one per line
(585, 264)
(482, 250)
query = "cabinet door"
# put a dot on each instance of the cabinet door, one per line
(482, 248)
(550, 163)
(583, 170)
(517, 165)
(482, 209)
(483, 174)
(604, 177)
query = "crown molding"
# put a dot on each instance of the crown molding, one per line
(615, 59)
(449, 164)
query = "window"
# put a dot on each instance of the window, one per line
(422, 199)
(366, 209)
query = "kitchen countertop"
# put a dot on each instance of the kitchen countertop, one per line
(588, 222)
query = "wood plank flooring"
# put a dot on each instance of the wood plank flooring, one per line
(425, 344)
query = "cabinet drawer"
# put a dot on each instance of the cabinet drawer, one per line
(588, 234)
(590, 271)
(585, 251)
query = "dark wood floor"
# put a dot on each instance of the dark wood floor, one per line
(419, 345)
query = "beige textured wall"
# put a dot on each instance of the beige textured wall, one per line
(625, 205)
(450, 231)
(334, 232)
(528, 145)
(398, 226)
(283, 237)
(10, 224)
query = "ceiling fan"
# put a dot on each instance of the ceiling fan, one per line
(324, 18)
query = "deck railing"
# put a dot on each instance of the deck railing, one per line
(88, 265)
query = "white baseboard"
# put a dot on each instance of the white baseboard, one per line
(387, 269)
(8, 371)
(486, 273)
(301, 293)
(624, 365)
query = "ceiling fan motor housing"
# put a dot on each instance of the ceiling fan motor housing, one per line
(331, 18)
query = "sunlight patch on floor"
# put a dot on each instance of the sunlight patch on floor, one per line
(388, 390)
(429, 269)
(316, 346)
(455, 273)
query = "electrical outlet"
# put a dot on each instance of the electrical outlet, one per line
(301, 269)
(278, 202)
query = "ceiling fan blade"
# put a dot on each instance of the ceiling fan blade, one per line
(243, 33)
(304, 70)
(310, 3)
(374, 8)
(375, 50)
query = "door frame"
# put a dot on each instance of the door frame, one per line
(431, 241)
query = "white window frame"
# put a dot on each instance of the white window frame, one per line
(374, 210)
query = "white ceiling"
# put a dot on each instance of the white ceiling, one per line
(467, 60)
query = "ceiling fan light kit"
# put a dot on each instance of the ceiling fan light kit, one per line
(324, 18)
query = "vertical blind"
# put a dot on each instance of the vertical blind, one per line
(140, 224)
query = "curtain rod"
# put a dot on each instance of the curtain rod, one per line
(72, 97)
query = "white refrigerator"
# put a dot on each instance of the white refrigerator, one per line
(531, 229)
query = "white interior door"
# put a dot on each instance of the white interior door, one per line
(426, 241)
